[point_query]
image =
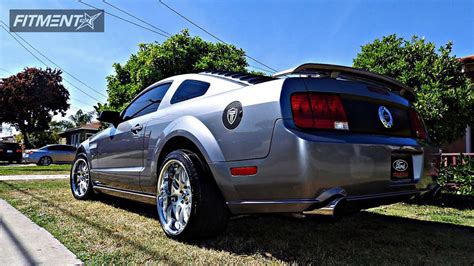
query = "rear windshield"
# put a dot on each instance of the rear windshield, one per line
(10, 145)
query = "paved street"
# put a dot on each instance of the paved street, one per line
(22, 242)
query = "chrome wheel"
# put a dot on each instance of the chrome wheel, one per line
(174, 197)
(80, 177)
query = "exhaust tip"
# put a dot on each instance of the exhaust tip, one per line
(334, 209)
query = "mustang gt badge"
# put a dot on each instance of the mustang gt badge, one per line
(385, 117)
(400, 165)
(232, 115)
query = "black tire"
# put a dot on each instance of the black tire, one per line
(45, 161)
(18, 161)
(73, 179)
(209, 213)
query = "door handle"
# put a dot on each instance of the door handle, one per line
(137, 128)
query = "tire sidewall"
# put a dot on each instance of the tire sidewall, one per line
(89, 185)
(193, 168)
(40, 162)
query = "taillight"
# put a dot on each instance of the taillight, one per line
(417, 125)
(18, 151)
(318, 111)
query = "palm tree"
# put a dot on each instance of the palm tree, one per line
(81, 118)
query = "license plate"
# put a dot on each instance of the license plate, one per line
(9, 151)
(401, 167)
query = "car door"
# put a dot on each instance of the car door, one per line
(55, 153)
(58, 152)
(70, 153)
(120, 153)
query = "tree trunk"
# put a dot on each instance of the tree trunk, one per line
(26, 140)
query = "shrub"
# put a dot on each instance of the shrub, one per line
(458, 178)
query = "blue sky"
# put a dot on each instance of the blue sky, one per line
(282, 34)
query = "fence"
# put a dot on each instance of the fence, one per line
(454, 158)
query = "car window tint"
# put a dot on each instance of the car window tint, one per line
(53, 148)
(190, 89)
(148, 102)
(69, 148)
(62, 147)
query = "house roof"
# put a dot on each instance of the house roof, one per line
(94, 126)
(467, 59)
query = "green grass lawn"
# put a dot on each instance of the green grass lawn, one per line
(109, 230)
(54, 169)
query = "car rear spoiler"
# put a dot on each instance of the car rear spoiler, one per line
(349, 73)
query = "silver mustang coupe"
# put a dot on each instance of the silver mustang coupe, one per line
(316, 138)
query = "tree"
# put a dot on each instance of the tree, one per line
(44, 137)
(81, 118)
(445, 95)
(30, 98)
(179, 54)
(61, 125)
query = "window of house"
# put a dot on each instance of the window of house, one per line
(190, 89)
(147, 102)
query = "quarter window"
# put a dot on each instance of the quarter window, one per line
(189, 89)
(148, 102)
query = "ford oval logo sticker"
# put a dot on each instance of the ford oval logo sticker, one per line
(232, 115)
(400, 165)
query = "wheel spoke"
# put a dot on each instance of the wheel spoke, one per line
(174, 197)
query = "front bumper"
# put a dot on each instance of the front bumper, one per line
(30, 158)
(300, 167)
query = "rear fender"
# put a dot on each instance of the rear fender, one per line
(194, 130)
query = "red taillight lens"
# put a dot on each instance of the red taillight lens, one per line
(302, 114)
(318, 111)
(417, 125)
(18, 150)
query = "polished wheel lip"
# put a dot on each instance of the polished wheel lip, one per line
(80, 177)
(174, 197)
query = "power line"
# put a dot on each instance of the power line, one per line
(37, 58)
(214, 36)
(260, 68)
(79, 101)
(6, 71)
(124, 19)
(137, 18)
(80, 81)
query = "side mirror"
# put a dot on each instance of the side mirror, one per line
(110, 117)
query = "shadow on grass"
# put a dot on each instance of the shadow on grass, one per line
(361, 239)
(460, 202)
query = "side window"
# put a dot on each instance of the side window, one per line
(147, 102)
(69, 148)
(53, 148)
(189, 89)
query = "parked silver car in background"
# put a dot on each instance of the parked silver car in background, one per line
(55, 153)
(314, 138)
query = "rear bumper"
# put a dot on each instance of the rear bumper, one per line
(10, 157)
(301, 167)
